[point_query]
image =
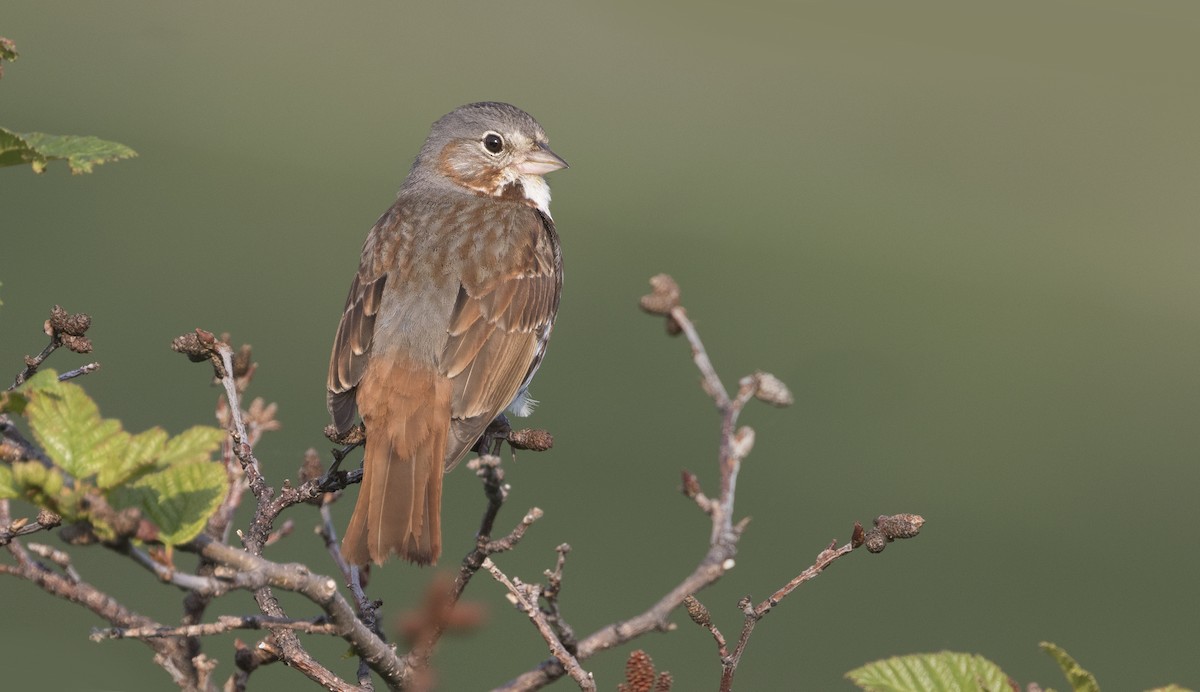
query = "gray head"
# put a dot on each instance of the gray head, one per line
(485, 147)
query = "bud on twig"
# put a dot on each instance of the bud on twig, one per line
(664, 295)
(533, 439)
(697, 611)
(858, 536)
(691, 484)
(196, 345)
(772, 390)
(742, 442)
(899, 525)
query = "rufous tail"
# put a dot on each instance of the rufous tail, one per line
(406, 411)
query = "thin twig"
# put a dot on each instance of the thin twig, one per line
(81, 370)
(525, 598)
(730, 661)
(70, 587)
(32, 363)
(550, 594)
(368, 610)
(264, 575)
(204, 585)
(224, 623)
(23, 527)
(489, 470)
(735, 444)
(58, 557)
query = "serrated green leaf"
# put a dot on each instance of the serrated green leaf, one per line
(67, 424)
(38, 484)
(945, 671)
(82, 153)
(1080, 679)
(179, 498)
(8, 51)
(8, 489)
(13, 402)
(13, 148)
(194, 444)
(141, 452)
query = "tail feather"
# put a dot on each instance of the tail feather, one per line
(406, 410)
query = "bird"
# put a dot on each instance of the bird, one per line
(447, 320)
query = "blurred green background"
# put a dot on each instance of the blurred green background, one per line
(965, 235)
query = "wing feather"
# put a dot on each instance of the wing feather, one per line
(498, 332)
(352, 345)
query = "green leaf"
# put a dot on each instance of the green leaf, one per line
(194, 444)
(13, 402)
(38, 149)
(67, 424)
(179, 498)
(8, 488)
(140, 453)
(8, 51)
(1170, 688)
(13, 148)
(40, 485)
(945, 671)
(1080, 679)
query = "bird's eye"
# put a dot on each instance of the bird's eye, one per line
(493, 142)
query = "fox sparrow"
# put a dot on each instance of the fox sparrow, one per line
(447, 320)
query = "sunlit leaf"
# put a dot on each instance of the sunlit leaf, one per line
(40, 485)
(67, 424)
(945, 671)
(179, 498)
(8, 489)
(1080, 679)
(13, 402)
(82, 153)
(194, 444)
(141, 451)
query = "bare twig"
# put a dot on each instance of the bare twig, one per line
(70, 587)
(263, 575)
(22, 527)
(224, 623)
(208, 586)
(887, 527)
(368, 610)
(489, 470)
(565, 633)
(525, 598)
(64, 329)
(735, 444)
(58, 557)
(81, 370)
(233, 375)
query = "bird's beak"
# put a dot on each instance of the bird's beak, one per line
(541, 161)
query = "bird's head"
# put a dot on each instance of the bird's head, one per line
(487, 148)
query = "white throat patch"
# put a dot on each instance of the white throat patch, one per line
(537, 191)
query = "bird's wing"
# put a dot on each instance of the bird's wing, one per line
(498, 333)
(352, 345)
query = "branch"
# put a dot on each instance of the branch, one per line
(262, 575)
(488, 469)
(22, 527)
(886, 530)
(70, 587)
(734, 446)
(64, 329)
(224, 623)
(525, 598)
(202, 345)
